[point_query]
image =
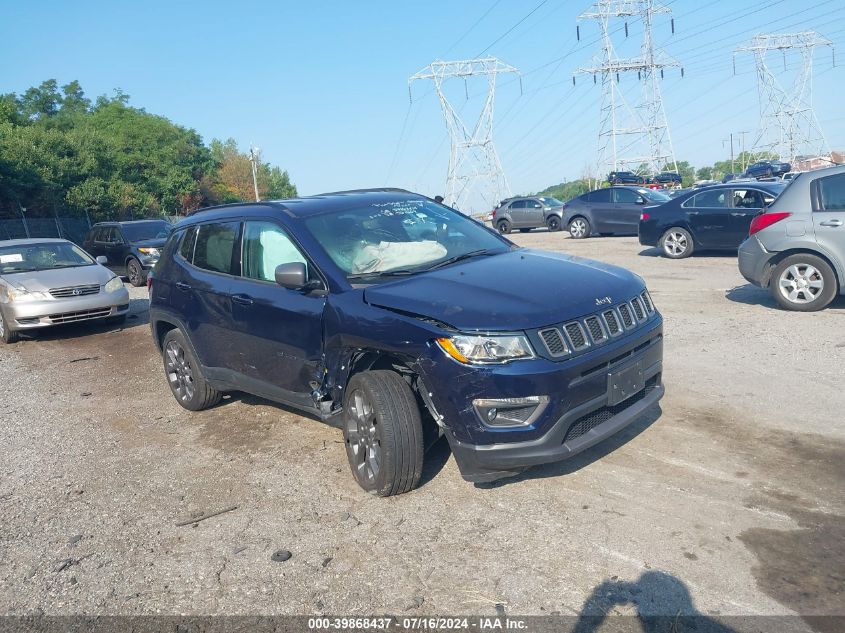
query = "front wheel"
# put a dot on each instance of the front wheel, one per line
(677, 243)
(503, 226)
(804, 283)
(135, 273)
(383, 433)
(9, 336)
(553, 223)
(579, 228)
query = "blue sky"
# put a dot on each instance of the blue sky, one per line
(322, 87)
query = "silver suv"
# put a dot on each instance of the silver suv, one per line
(797, 246)
(528, 213)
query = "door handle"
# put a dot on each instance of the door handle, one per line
(831, 223)
(693, 212)
(243, 300)
(183, 286)
(737, 215)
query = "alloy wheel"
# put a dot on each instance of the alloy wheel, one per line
(675, 243)
(801, 283)
(134, 273)
(554, 224)
(578, 228)
(362, 437)
(2, 325)
(180, 374)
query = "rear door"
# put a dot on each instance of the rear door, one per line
(277, 332)
(518, 212)
(627, 206)
(600, 203)
(709, 217)
(746, 203)
(829, 216)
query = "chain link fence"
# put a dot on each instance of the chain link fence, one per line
(69, 228)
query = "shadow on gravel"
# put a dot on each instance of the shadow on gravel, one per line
(750, 294)
(654, 251)
(139, 314)
(658, 601)
(581, 460)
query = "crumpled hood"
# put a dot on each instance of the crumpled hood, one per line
(43, 280)
(518, 290)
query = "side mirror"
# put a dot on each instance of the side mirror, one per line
(102, 260)
(291, 276)
(641, 201)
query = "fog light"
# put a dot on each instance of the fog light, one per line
(507, 412)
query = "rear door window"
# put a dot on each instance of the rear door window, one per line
(600, 195)
(215, 246)
(518, 204)
(832, 193)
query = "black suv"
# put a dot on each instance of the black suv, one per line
(625, 178)
(667, 178)
(130, 248)
(767, 169)
(400, 320)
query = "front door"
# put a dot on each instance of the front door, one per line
(829, 217)
(709, 217)
(110, 244)
(746, 204)
(278, 332)
(534, 213)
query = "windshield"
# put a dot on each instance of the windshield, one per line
(654, 196)
(46, 256)
(145, 231)
(552, 202)
(400, 237)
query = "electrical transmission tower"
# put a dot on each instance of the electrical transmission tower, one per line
(473, 162)
(788, 124)
(631, 136)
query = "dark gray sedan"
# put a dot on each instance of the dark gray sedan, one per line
(609, 211)
(46, 282)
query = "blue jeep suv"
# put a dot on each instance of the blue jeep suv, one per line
(400, 320)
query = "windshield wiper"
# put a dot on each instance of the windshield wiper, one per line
(399, 272)
(461, 257)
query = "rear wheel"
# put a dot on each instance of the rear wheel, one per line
(383, 433)
(677, 243)
(553, 223)
(135, 273)
(184, 375)
(9, 336)
(804, 283)
(503, 226)
(579, 228)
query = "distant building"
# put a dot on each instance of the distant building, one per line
(809, 163)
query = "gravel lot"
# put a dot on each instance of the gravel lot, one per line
(727, 500)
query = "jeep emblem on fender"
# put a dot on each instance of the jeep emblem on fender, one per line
(601, 301)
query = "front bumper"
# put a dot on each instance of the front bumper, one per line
(31, 315)
(580, 410)
(754, 262)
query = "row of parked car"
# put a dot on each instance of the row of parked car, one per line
(791, 242)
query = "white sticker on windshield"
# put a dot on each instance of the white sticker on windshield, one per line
(8, 259)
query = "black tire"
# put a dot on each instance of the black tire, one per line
(383, 433)
(135, 273)
(184, 374)
(503, 226)
(791, 275)
(579, 228)
(9, 336)
(676, 243)
(553, 224)
(524, 230)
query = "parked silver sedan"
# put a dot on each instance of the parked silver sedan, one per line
(46, 282)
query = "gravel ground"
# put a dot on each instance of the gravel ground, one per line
(726, 500)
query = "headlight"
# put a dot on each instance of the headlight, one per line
(486, 349)
(114, 284)
(149, 252)
(19, 293)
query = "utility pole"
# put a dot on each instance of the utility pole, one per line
(254, 157)
(788, 123)
(732, 151)
(645, 124)
(742, 149)
(472, 159)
